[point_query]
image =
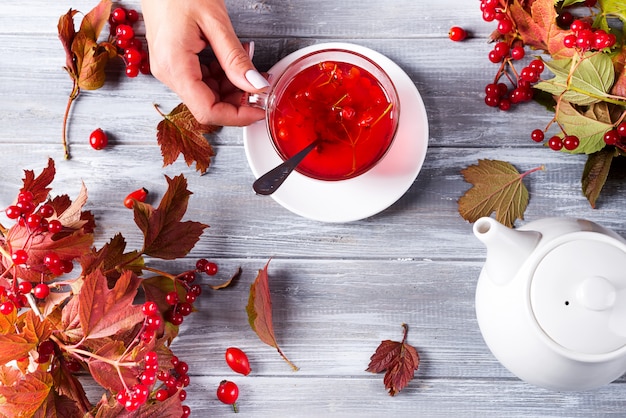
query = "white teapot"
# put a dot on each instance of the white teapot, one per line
(551, 301)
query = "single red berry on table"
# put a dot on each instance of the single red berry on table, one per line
(228, 392)
(139, 195)
(98, 139)
(237, 360)
(211, 268)
(457, 34)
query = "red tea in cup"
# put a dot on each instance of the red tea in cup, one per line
(348, 105)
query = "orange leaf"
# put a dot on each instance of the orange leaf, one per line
(259, 311)
(26, 397)
(180, 132)
(14, 347)
(104, 312)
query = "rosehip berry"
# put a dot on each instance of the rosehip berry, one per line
(228, 392)
(457, 34)
(237, 360)
(139, 195)
(98, 139)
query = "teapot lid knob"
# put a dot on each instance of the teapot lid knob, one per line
(578, 293)
(596, 293)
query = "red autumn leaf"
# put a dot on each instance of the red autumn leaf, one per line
(106, 375)
(400, 361)
(165, 236)
(58, 406)
(13, 347)
(180, 132)
(259, 311)
(38, 185)
(27, 395)
(103, 312)
(537, 27)
(170, 408)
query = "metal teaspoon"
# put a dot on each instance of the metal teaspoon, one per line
(269, 182)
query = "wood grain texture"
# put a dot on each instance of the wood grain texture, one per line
(338, 289)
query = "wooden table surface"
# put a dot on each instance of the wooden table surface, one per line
(338, 289)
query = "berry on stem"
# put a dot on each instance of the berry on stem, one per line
(228, 392)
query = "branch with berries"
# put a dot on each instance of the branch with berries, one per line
(579, 42)
(57, 322)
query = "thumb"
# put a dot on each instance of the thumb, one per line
(236, 61)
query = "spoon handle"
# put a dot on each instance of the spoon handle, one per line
(270, 181)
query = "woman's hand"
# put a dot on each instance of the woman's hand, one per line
(176, 32)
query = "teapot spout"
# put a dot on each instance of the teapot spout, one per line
(507, 248)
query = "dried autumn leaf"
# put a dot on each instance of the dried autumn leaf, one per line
(497, 187)
(399, 360)
(39, 185)
(26, 396)
(103, 312)
(85, 57)
(165, 235)
(180, 132)
(106, 374)
(259, 311)
(538, 29)
(596, 172)
(228, 282)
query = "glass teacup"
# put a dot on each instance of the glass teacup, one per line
(339, 98)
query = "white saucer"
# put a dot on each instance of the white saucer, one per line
(363, 196)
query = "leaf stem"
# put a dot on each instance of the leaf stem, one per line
(293, 366)
(406, 332)
(70, 100)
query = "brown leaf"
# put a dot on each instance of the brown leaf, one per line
(259, 311)
(228, 282)
(94, 21)
(400, 361)
(66, 35)
(595, 173)
(497, 187)
(91, 60)
(104, 312)
(180, 132)
(165, 236)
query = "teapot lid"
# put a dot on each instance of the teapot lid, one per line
(578, 293)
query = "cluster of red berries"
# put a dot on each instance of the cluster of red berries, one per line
(586, 38)
(499, 95)
(38, 221)
(556, 143)
(13, 299)
(172, 383)
(130, 48)
(617, 136)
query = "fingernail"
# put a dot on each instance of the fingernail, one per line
(251, 49)
(256, 79)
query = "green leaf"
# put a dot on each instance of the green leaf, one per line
(614, 8)
(497, 188)
(589, 127)
(567, 3)
(589, 82)
(595, 173)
